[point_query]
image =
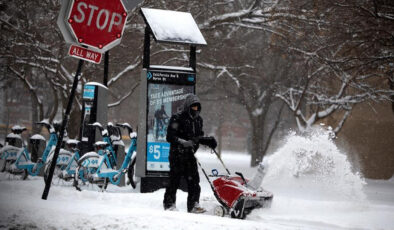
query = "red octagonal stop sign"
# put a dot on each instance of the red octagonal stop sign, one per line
(97, 23)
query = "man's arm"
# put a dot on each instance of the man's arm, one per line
(172, 129)
(172, 136)
(207, 141)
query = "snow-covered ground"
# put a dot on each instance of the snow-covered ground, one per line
(313, 184)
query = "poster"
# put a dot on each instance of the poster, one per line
(163, 101)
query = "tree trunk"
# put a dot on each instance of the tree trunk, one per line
(220, 137)
(74, 123)
(34, 127)
(391, 82)
(257, 139)
(54, 107)
(6, 114)
(220, 131)
(7, 123)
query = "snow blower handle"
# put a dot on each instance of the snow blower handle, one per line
(242, 176)
(221, 161)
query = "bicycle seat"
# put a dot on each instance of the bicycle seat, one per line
(97, 125)
(101, 145)
(72, 143)
(18, 129)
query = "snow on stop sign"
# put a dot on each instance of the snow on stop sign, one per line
(97, 23)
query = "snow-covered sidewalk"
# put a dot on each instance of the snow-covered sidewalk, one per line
(21, 206)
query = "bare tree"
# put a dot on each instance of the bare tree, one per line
(319, 58)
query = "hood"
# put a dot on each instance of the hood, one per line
(190, 100)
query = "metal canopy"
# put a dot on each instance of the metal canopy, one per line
(173, 26)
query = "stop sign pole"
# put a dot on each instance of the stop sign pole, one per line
(66, 117)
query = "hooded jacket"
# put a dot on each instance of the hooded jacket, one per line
(183, 125)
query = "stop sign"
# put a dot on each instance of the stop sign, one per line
(97, 23)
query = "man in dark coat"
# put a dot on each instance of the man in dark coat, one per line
(185, 133)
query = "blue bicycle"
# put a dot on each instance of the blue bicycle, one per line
(66, 163)
(98, 168)
(17, 160)
(12, 146)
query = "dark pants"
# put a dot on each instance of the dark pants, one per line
(188, 169)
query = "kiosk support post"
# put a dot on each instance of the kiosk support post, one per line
(146, 57)
(61, 134)
(192, 59)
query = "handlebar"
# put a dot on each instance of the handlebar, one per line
(126, 126)
(242, 176)
(46, 124)
(96, 125)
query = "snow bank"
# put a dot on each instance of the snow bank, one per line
(313, 165)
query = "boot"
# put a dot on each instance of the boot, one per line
(197, 209)
(171, 208)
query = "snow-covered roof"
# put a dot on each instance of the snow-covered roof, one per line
(173, 26)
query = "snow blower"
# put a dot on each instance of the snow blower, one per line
(238, 196)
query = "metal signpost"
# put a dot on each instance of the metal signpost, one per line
(162, 92)
(97, 24)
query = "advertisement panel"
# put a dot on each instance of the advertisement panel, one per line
(164, 99)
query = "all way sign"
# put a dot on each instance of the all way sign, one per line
(85, 54)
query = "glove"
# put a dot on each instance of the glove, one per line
(185, 143)
(209, 141)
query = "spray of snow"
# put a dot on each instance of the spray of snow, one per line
(312, 165)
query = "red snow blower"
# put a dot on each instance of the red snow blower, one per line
(237, 195)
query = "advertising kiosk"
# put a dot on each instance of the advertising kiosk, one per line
(163, 90)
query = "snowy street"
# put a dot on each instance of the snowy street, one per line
(287, 106)
(299, 201)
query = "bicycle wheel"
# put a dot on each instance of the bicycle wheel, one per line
(78, 176)
(24, 174)
(103, 186)
(56, 173)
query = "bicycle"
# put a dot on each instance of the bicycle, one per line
(96, 168)
(18, 159)
(66, 163)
